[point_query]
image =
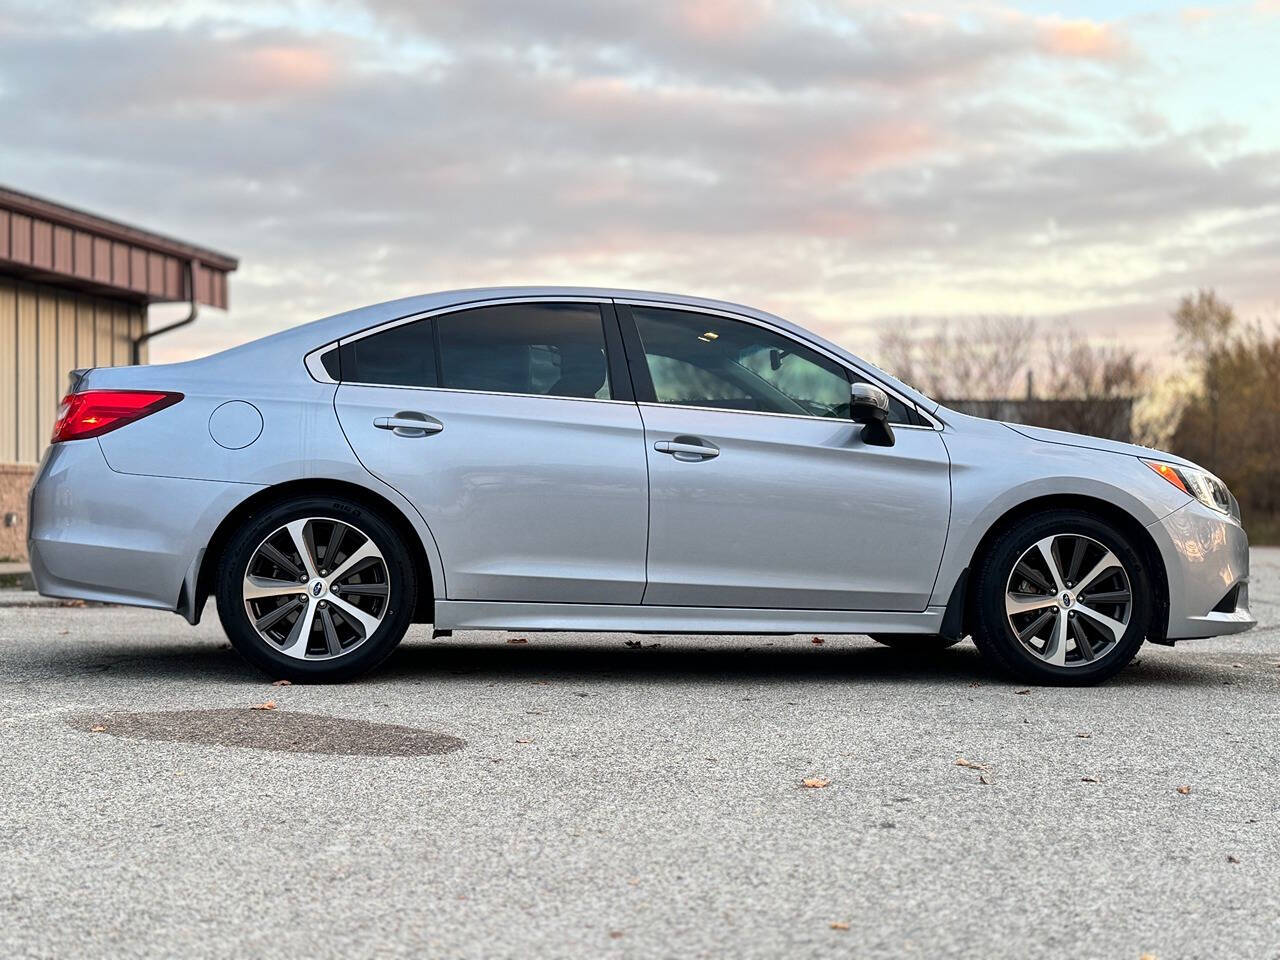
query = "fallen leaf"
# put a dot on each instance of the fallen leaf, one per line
(269, 705)
(523, 740)
(984, 779)
(615, 934)
(839, 925)
(98, 728)
(1021, 693)
(282, 683)
(816, 783)
(1185, 789)
(1231, 858)
(962, 762)
(819, 641)
(1090, 779)
(517, 639)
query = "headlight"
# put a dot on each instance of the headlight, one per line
(1201, 484)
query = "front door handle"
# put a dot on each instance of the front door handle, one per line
(409, 423)
(688, 449)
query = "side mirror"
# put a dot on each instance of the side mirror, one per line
(869, 405)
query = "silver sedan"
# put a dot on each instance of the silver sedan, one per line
(587, 459)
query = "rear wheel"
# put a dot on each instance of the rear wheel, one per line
(317, 589)
(1062, 598)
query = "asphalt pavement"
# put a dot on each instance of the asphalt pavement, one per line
(617, 796)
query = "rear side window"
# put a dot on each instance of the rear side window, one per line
(403, 356)
(546, 349)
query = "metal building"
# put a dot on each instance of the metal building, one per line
(74, 292)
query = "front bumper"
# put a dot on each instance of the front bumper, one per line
(96, 534)
(1206, 556)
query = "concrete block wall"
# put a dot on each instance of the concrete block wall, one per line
(15, 481)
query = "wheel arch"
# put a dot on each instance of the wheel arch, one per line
(1124, 521)
(207, 563)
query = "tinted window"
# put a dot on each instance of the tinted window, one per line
(403, 356)
(552, 349)
(707, 361)
(331, 365)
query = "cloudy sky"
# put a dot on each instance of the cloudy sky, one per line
(846, 164)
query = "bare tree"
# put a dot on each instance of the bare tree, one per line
(1092, 386)
(973, 359)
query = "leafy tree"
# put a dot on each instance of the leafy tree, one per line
(1232, 423)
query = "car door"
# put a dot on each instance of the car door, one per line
(761, 491)
(523, 450)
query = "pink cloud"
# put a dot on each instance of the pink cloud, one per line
(713, 19)
(1085, 39)
(292, 67)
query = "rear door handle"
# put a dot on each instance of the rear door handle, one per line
(409, 423)
(688, 449)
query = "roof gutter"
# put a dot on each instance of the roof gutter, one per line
(138, 342)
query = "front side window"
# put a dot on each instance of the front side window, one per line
(702, 360)
(548, 349)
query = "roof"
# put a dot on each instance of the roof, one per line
(54, 243)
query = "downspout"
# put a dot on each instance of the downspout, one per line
(192, 265)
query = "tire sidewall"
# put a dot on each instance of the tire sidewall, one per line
(235, 619)
(993, 582)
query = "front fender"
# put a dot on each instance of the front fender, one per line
(995, 471)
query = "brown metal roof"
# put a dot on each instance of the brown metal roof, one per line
(59, 244)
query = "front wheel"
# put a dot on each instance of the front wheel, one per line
(317, 589)
(1062, 598)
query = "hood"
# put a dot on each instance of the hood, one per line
(1046, 435)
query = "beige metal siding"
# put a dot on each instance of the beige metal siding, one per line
(45, 332)
(85, 346)
(25, 408)
(67, 356)
(8, 371)
(48, 379)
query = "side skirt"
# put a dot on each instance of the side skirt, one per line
(621, 618)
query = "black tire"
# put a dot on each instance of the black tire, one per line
(914, 642)
(995, 637)
(401, 578)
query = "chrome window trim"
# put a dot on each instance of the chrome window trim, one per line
(317, 371)
(770, 413)
(773, 328)
(456, 307)
(315, 366)
(485, 393)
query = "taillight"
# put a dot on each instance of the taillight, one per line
(95, 412)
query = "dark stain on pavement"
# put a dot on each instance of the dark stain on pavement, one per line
(282, 730)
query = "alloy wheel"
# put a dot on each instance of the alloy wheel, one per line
(316, 588)
(1068, 600)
